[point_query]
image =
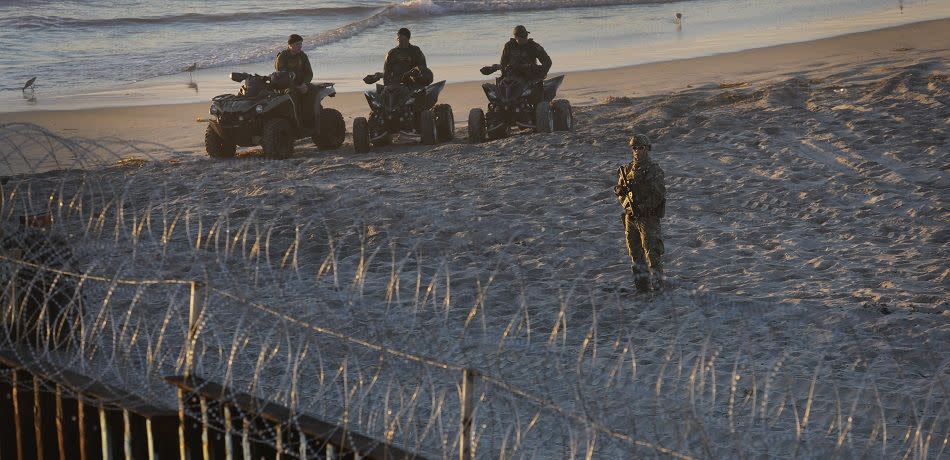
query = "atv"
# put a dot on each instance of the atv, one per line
(404, 108)
(522, 98)
(265, 113)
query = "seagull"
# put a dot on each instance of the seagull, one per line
(29, 84)
(190, 68)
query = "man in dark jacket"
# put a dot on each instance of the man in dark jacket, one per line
(523, 54)
(403, 58)
(293, 59)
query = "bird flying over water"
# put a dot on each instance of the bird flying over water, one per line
(29, 83)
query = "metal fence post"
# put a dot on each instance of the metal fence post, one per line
(60, 441)
(192, 328)
(104, 432)
(150, 439)
(37, 418)
(15, 393)
(81, 422)
(466, 398)
(228, 443)
(182, 451)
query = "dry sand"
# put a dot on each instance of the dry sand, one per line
(807, 241)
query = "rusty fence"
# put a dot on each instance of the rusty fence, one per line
(51, 413)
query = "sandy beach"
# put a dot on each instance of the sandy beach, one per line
(175, 126)
(807, 236)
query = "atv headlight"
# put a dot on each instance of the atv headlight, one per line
(214, 109)
(259, 109)
(526, 93)
(491, 93)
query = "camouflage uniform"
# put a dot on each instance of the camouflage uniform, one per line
(642, 192)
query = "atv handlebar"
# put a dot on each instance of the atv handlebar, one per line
(239, 76)
(407, 78)
(372, 78)
(490, 69)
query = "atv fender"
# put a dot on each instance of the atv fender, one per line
(432, 93)
(324, 90)
(490, 90)
(551, 86)
(273, 102)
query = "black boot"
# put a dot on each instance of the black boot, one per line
(641, 279)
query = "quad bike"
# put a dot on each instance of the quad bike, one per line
(408, 108)
(522, 98)
(265, 113)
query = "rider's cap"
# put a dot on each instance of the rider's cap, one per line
(404, 32)
(294, 38)
(520, 31)
(640, 140)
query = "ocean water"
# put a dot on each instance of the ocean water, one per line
(84, 48)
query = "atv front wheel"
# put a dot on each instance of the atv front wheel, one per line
(332, 130)
(216, 146)
(360, 135)
(444, 122)
(276, 139)
(476, 126)
(427, 129)
(543, 118)
(563, 115)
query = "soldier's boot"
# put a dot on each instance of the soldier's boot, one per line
(659, 281)
(641, 278)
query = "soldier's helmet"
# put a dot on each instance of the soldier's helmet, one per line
(640, 140)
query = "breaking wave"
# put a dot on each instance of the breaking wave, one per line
(427, 8)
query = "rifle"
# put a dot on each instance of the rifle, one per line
(626, 200)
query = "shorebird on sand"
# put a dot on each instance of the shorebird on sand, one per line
(190, 68)
(677, 17)
(29, 84)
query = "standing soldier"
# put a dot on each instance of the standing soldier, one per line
(642, 194)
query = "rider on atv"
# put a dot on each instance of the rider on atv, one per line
(293, 59)
(522, 54)
(403, 58)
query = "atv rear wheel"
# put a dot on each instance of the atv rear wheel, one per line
(332, 130)
(427, 130)
(476, 126)
(563, 115)
(216, 146)
(444, 122)
(543, 118)
(277, 140)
